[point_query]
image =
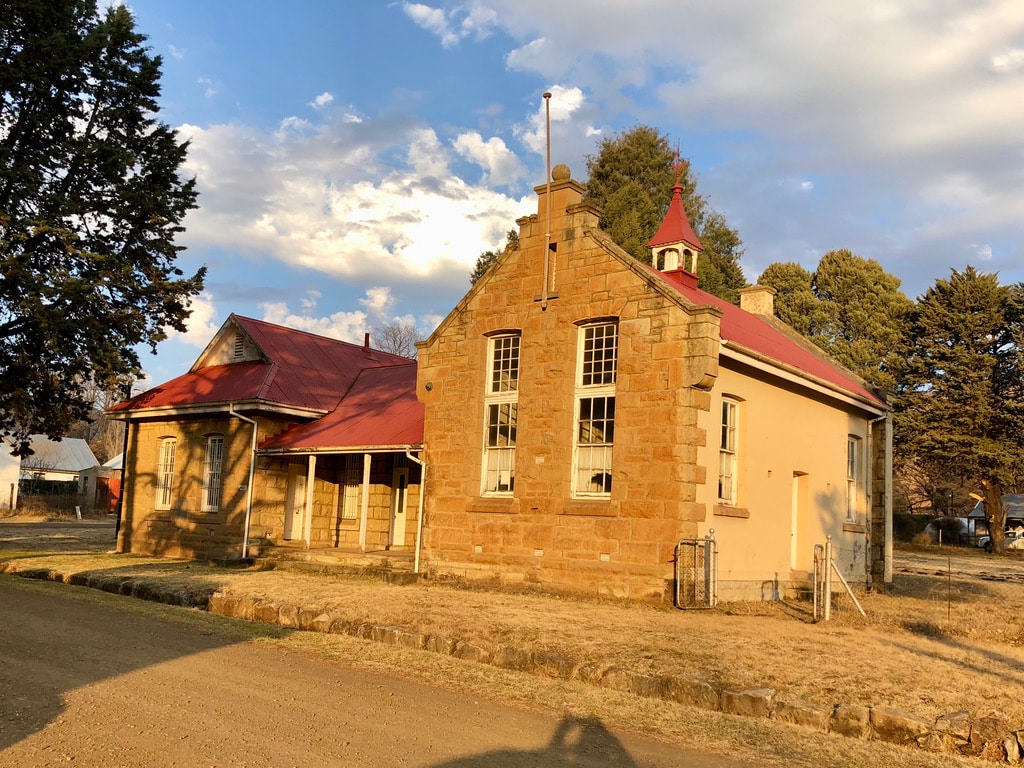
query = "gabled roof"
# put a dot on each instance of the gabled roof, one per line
(290, 369)
(71, 455)
(379, 411)
(769, 339)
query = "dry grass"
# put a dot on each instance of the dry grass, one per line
(949, 636)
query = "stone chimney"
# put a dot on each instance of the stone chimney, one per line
(758, 300)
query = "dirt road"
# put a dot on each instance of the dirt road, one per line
(88, 683)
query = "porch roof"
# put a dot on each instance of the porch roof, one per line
(380, 410)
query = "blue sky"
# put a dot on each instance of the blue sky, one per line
(354, 158)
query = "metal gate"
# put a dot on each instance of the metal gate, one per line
(824, 567)
(697, 572)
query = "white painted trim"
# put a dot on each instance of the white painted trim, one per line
(364, 510)
(307, 527)
(788, 373)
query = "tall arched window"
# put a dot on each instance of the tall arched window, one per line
(853, 481)
(595, 408)
(728, 453)
(165, 473)
(501, 413)
(212, 463)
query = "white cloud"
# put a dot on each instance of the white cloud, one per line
(907, 113)
(1008, 62)
(347, 326)
(982, 252)
(292, 125)
(377, 303)
(176, 52)
(452, 26)
(202, 323)
(564, 104)
(427, 155)
(322, 100)
(319, 197)
(500, 164)
(434, 20)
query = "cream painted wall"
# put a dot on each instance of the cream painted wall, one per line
(783, 433)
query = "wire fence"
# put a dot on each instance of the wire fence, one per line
(697, 572)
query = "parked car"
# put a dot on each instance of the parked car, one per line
(1013, 540)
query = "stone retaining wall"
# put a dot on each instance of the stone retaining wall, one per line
(988, 737)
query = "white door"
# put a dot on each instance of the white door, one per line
(399, 494)
(295, 506)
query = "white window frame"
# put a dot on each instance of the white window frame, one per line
(594, 410)
(853, 483)
(501, 414)
(728, 453)
(351, 480)
(213, 465)
(165, 473)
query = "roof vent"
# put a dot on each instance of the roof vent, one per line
(239, 349)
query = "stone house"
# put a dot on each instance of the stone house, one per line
(585, 412)
(273, 437)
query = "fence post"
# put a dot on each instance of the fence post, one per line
(828, 578)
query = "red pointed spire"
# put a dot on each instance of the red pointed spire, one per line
(676, 228)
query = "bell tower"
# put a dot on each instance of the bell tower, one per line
(675, 246)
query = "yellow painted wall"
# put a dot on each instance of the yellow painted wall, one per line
(782, 433)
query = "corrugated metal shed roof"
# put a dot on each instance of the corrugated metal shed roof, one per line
(71, 454)
(1013, 503)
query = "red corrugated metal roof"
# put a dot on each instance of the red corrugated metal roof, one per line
(760, 336)
(311, 371)
(381, 409)
(300, 370)
(214, 384)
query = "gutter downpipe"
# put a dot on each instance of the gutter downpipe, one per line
(419, 514)
(252, 471)
(124, 485)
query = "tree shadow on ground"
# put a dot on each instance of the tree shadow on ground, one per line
(52, 643)
(577, 741)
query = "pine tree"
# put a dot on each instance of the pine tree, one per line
(90, 203)
(960, 408)
(631, 180)
(852, 308)
(795, 302)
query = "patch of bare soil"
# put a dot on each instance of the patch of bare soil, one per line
(947, 636)
(41, 533)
